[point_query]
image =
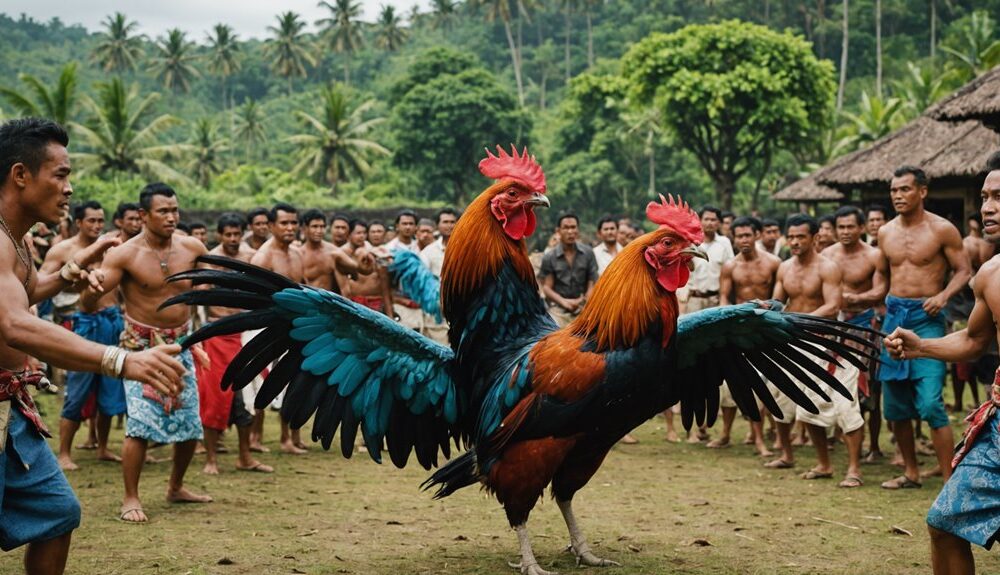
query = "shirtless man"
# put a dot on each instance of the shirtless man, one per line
(370, 290)
(827, 235)
(221, 408)
(103, 326)
(126, 220)
(140, 268)
(39, 507)
(340, 228)
(863, 288)
(966, 509)
(376, 233)
(922, 248)
(876, 219)
(748, 276)
(259, 228)
(324, 263)
(811, 284)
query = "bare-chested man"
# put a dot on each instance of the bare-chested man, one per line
(140, 268)
(219, 407)
(922, 248)
(372, 290)
(827, 235)
(863, 288)
(104, 326)
(748, 276)
(40, 510)
(967, 508)
(376, 233)
(126, 220)
(326, 265)
(259, 228)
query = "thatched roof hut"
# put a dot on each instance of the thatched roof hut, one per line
(809, 190)
(977, 100)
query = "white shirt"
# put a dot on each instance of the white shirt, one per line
(395, 244)
(604, 256)
(433, 256)
(705, 277)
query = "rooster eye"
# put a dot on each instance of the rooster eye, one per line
(511, 193)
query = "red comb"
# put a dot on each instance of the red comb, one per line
(522, 168)
(676, 216)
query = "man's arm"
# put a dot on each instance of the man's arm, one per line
(50, 281)
(592, 275)
(548, 288)
(109, 276)
(831, 276)
(779, 287)
(345, 264)
(726, 283)
(880, 283)
(961, 269)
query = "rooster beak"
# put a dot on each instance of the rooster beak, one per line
(538, 199)
(695, 252)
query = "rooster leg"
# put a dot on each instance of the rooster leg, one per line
(528, 565)
(578, 544)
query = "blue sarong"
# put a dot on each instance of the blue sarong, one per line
(104, 327)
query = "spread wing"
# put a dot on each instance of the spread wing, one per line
(350, 366)
(740, 343)
(416, 281)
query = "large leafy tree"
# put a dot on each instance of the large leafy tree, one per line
(389, 31)
(343, 30)
(288, 49)
(118, 47)
(337, 143)
(977, 50)
(732, 93)
(251, 126)
(174, 62)
(205, 151)
(58, 103)
(223, 56)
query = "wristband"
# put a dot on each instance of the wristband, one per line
(113, 361)
(71, 272)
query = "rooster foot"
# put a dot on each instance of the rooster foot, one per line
(585, 558)
(530, 569)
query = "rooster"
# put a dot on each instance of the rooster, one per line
(533, 404)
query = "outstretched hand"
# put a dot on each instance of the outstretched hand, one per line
(903, 344)
(157, 367)
(93, 253)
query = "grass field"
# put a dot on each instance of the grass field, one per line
(646, 508)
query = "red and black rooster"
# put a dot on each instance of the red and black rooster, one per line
(534, 405)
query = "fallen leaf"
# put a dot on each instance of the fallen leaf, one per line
(338, 557)
(461, 538)
(224, 561)
(897, 530)
(393, 522)
(699, 543)
(634, 548)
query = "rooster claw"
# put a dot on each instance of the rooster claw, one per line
(585, 558)
(531, 569)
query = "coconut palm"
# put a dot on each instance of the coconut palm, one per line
(977, 51)
(58, 104)
(174, 61)
(119, 46)
(287, 49)
(205, 151)
(501, 10)
(335, 144)
(343, 30)
(123, 133)
(875, 119)
(921, 87)
(223, 56)
(443, 14)
(251, 126)
(389, 34)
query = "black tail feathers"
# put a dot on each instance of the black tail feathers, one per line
(454, 475)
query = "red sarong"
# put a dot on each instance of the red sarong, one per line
(214, 402)
(372, 302)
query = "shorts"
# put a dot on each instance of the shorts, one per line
(36, 504)
(102, 327)
(238, 414)
(916, 399)
(839, 411)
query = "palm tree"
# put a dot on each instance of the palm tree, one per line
(389, 35)
(568, 6)
(251, 126)
(205, 151)
(921, 87)
(119, 47)
(647, 125)
(123, 133)
(174, 62)
(500, 9)
(57, 104)
(343, 30)
(843, 57)
(977, 52)
(878, 48)
(443, 14)
(223, 57)
(875, 119)
(335, 144)
(588, 6)
(287, 49)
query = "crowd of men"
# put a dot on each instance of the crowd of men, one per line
(911, 271)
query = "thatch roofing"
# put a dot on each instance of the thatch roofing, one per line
(809, 190)
(977, 100)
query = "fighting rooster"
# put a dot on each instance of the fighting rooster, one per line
(534, 405)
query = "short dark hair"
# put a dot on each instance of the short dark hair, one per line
(184, 227)
(877, 208)
(802, 219)
(426, 222)
(272, 215)
(256, 212)
(357, 222)
(404, 213)
(770, 223)
(24, 141)
(198, 226)
(312, 214)
(828, 219)
(919, 176)
(604, 220)
(566, 215)
(445, 211)
(230, 220)
(125, 207)
(376, 223)
(155, 189)
(845, 211)
(747, 222)
(713, 209)
(727, 214)
(342, 218)
(994, 162)
(80, 211)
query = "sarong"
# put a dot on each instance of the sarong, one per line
(151, 415)
(104, 327)
(214, 402)
(370, 301)
(866, 319)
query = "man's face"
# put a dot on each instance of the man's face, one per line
(376, 234)
(131, 223)
(848, 230)
(608, 232)
(339, 231)
(92, 224)
(358, 236)
(727, 225)
(568, 231)
(710, 223)
(285, 227)
(201, 234)
(624, 234)
(876, 220)
(230, 238)
(745, 239)
(826, 236)
(800, 239)
(425, 236)
(162, 217)
(406, 227)
(316, 231)
(446, 223)
(46, 193)
(769, 237)
(907, 196)
(991, 207)
(260, 227)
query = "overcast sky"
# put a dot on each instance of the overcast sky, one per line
(250, 18)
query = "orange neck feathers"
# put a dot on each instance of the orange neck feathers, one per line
(477, 249)
(625, 303)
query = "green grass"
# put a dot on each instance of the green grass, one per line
(321, 514)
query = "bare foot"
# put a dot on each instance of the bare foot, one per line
(763, 451)
(301, 446)
(873, 457)
(672, 436)
(255, 466)
(798, 441)
(182, 495)
(749, 439)
(108, 456)
(131, 512)
(259, 448)
(629, 440)
(779, 464)
(66, 463)
(291, 448)
(693, 438)
(932, 472)
(210, 468)
(200, 449)
(718, 443)
(150, 459)
(89, 446)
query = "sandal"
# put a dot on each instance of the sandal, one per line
(901, 482)
(813, 474)
(779, 464)
(850, 482)
(126, 511)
